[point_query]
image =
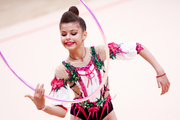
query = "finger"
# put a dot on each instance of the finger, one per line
(167, 87)
(29, 96)
(41, 96)
(42, 86)
(162, 92)
(159, 84)
(37, 93)
(40, 91)
(163, 89)
(169, 83)
(43, 92)
(37, 88)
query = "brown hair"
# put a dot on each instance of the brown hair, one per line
(72, 15)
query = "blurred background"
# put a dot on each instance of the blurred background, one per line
(30, 42)
(16, 11)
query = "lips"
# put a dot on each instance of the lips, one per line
(69, 43)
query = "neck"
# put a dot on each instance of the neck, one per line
(78, 54)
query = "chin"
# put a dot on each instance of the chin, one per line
(70, 48)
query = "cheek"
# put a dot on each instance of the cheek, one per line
(62, 40)
(79, 37)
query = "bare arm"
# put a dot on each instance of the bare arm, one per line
(163, 81)
(55, 110)
(39, 101)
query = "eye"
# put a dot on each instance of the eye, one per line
(74, 33)
(63, 34)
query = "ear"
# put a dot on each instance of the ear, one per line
(84, 35)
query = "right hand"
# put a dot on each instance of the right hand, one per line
(38, 98)
(164, 84)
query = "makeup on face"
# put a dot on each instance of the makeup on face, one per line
(71, 35)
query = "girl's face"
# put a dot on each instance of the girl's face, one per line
(72, 36)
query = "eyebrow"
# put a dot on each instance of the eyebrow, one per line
(71, 30)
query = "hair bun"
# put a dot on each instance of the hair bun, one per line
(74, 10)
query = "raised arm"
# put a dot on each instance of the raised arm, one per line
(162, 79)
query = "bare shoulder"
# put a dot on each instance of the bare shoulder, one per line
(60, 72)
(100, 49)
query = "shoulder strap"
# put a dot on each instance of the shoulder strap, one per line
(97, 61)
(71, 71)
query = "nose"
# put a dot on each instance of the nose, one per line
(67, 37)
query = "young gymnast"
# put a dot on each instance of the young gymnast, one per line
(83, 72)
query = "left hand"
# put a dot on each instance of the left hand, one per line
(164, 84)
